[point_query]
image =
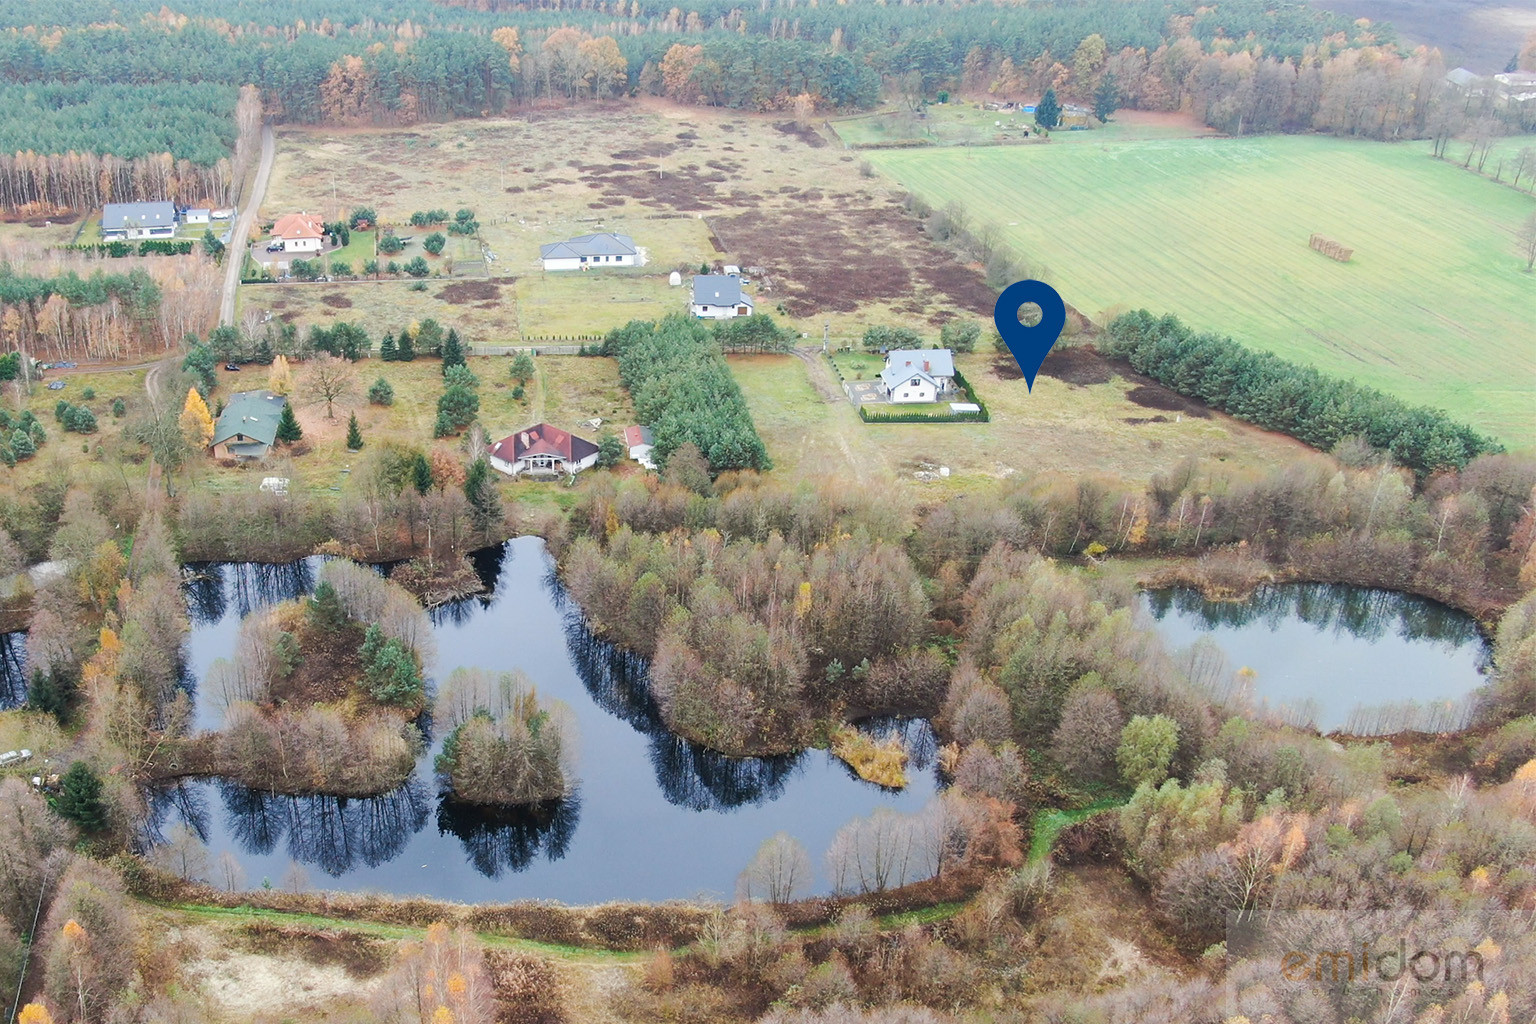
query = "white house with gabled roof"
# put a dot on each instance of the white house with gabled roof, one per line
(917, 375)
(604, 249)
(719, 297)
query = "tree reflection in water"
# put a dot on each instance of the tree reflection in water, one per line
(184, 803)
(13, 670)
(689, 775)
(487, 563)
(498, 840)
(211, 587)
(1362, 612)
(333, 833)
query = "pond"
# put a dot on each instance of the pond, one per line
(654, 817)
(1336, 657)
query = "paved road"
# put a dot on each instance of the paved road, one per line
(235, 252)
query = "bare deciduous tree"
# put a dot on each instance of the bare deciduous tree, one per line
(778, 872)
(327, 379)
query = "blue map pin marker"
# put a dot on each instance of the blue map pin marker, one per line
(1029, 345)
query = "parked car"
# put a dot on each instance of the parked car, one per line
(55, 385)
(275, 247)
(231, 367)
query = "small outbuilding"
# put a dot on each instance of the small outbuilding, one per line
(640, 442)
(197, 216)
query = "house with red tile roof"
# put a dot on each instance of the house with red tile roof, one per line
(542, 450)
(299, 232)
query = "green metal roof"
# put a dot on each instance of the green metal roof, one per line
(253, 414)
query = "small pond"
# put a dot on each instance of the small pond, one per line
(654, 818)
(1336, 655)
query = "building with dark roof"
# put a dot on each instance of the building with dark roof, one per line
(542, 450)
(719, 297)
(247, 427)
(133, 221)
(605, 249)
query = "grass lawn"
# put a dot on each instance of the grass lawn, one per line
(965, 123)
(568, 304)
(858, 365)
(1434, 307)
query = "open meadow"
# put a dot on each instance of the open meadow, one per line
(1083, 416)
(1434, 307)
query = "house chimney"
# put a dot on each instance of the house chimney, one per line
(525, 439)
(927, 367)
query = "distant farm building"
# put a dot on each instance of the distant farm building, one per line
(248, 425)
(199, 216)
(917, 375)
(719, 297)
(299, 232)
(542, 450)
(133, 221)
(601, 250)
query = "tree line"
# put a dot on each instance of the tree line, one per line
(1298, 400)
(337, 64)
(67, 307)
(681, 386)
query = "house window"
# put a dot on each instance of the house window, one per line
(916, 382)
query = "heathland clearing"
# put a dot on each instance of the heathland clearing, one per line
(1434, 306)
(837, 250)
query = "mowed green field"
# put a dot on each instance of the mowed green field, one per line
(1434, 307)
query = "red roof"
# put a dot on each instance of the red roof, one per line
(543, 439)
(298, 225)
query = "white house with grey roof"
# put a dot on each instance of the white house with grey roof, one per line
(719, 297)
(605, 249)
(133, 221)
(917, 375)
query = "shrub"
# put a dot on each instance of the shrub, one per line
(341, 268)
(610, 449)
(89, 394)
(459, 405)
(960, 335)
(390, 672)
(434, 242)
(389, 244)
(882, 337)
(381, 393)
(417, 267)
(1147, 746)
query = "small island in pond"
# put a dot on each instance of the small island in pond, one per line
(505, 747)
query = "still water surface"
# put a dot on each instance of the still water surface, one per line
(1329, 648)
(654, 818)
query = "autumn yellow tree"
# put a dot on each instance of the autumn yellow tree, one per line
(280, 378)
(604, 65)
(34, 1013)
(506, 37)
(677, 69)
(196, 421)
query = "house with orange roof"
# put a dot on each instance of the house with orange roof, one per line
(299, 232)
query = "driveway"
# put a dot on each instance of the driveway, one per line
(238, 242)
